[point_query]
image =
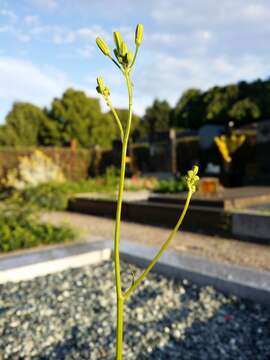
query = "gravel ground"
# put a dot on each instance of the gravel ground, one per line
(216, 248)
(70, 315)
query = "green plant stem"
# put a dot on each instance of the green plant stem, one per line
(134, 58)
(119, 330)
(119, 294)
(119, 67)
(162, 249)
(116, 118)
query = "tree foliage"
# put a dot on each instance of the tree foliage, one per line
(157, 117)
(22, 125)
(75, 116)
(188, 109)
(242, 103)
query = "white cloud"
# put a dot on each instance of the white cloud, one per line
(184, 13)
(60, 35)
(49, 4)
(16, 33)
(10, 15)
(64, 37)
(85, 52)
(21, 80)
(169, 76)
(256, 12)
(31, 20)
(204, 35)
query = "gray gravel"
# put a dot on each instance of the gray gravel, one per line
(70, 315)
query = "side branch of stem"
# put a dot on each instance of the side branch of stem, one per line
(161, 250)
(116, 119)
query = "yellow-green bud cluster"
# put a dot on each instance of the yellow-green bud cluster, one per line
(123, 56)
(102, 88)
(192, 179)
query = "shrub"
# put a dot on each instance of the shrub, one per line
(33, 170)
(171, 186)
(55, 196)
(141, 183)
(50, 196)
(20, 227)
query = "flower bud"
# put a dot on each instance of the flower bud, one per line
(100, 83)
(103, 46)
(101, 88)
(118, 56)
(123, 49)
(195, 169)
(118, 40)
(139, 34)
(129, 57)
(106, 91)
(192, 179)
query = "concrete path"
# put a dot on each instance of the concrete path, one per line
(214, 248)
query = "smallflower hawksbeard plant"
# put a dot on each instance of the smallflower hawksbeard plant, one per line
(124, 60)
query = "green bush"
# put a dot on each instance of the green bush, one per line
(55, 196)
(171, 186)
(51, 196)
(20, 227)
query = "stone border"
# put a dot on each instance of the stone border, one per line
(204, 219)
(243, 282)
(27, 265)
(251, 224)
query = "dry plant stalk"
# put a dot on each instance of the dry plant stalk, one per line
(124, 60)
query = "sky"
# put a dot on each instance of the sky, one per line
(47, 46)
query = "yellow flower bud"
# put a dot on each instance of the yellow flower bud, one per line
(123, 49)
(139, 34)
(101, 88)
(103, 46)
(100, 83)
(106, 91)
(118, 40)
(192, 179)
(130, 57)
(195, 169)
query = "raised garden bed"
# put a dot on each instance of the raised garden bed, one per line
(206, 214)
(70, 314)
(252, 224)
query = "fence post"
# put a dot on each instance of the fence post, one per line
(173, 146)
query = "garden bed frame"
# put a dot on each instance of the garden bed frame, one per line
(242, 282)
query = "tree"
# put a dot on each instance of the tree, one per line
(244, 110)
(189, 110)
(219, 100)
(242, 102)
(78, 117)
(157, 117)
(22, 125)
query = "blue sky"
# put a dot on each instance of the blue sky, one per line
(49, 45)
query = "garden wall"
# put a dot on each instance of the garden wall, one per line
(74, 163)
